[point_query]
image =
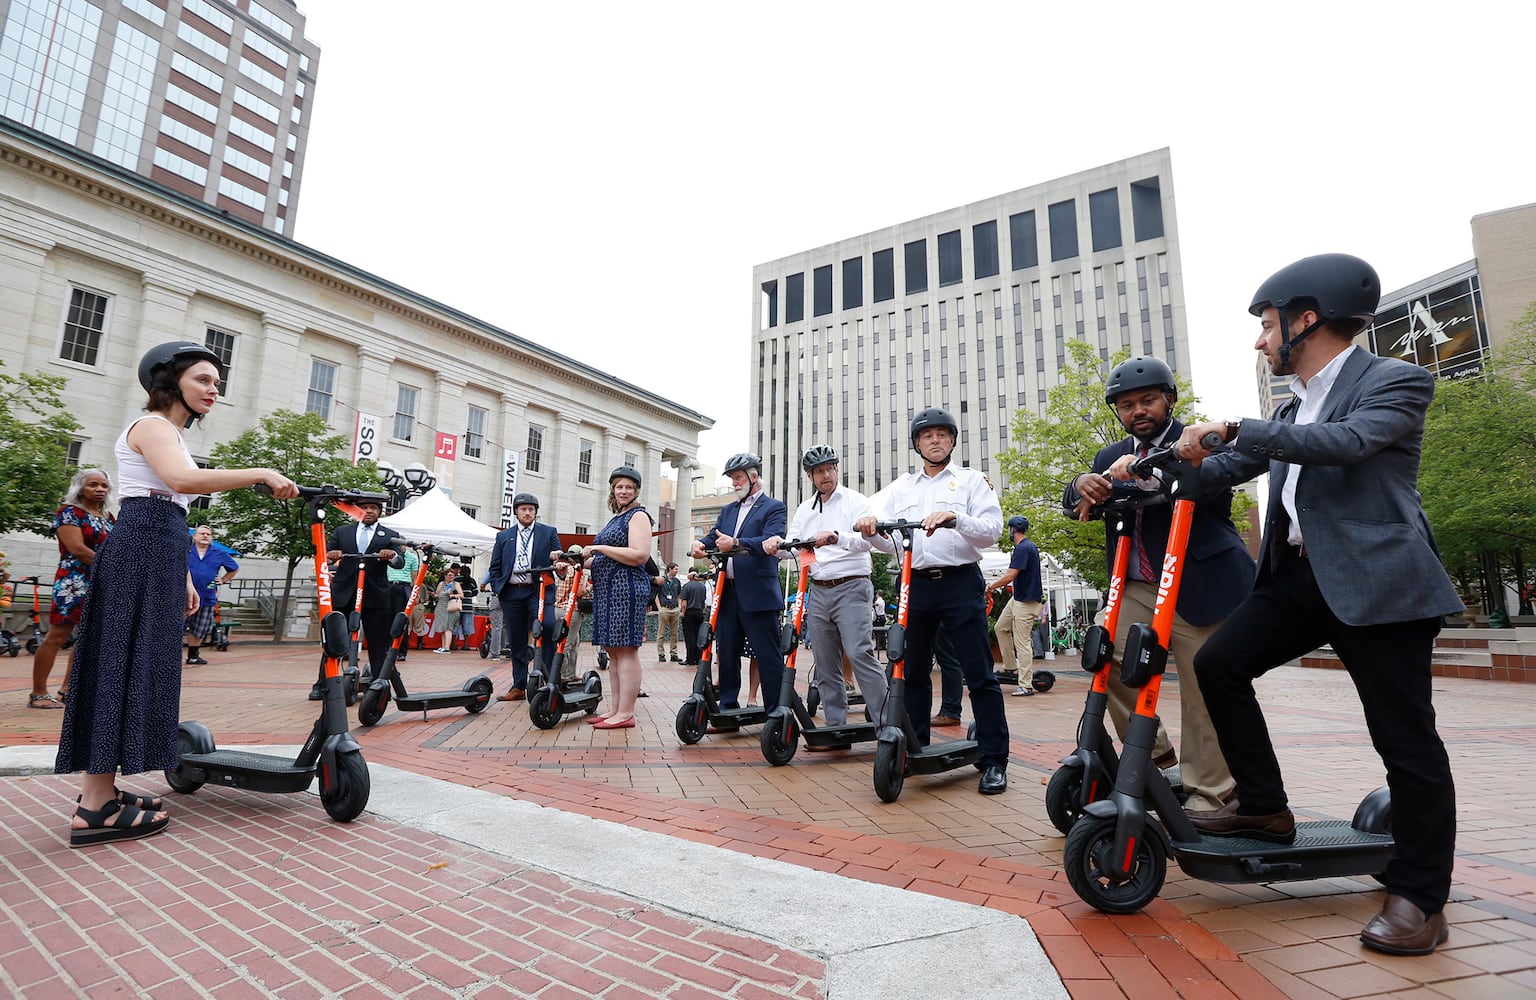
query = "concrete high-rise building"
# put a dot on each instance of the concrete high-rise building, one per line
(970, 309)
(210, 98)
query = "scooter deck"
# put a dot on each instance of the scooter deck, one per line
(858, 732)
(754, 716)
(936, 758)
(427, 700)
(1322, 849)
(243, 769)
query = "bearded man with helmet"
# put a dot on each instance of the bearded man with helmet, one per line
(1142, 393)
(1348, 560)
(947, 590)
(751, 602)
(527, 543)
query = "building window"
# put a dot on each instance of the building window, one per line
(72, 449)
(202, 501)
(84, 327)
(770, 316)
(1147, 209)
(223, 345)
(1063, 219)
(533, 455)
(322, 388)
(405, 413)
(632, 460)
(1023, 250)
(884, 262)
(474, 432)
(794, 298)
(1104, 219)
(853, 283)
(951, 271)
(984, 248)
(472, 511)
(917, 266)
(822, 289)
(584, 462)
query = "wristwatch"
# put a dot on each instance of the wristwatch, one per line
(1234, 425)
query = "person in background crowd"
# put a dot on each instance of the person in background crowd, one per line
(81, 526)
(205, 561)
(401, 580)
(1017, 621)
(445, 611)
(694, 601)
(565, 576)
(669, 614)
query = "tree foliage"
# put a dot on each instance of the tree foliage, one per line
(1046, 452)
(303, 448)
(34, 436)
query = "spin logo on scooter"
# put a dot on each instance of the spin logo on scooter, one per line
(1165, 582)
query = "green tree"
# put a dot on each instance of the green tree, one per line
(303, 448)
(1479, 461)
(34, 435)
(1047, 451)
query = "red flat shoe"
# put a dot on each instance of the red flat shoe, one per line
(594, 720)
(605, 724)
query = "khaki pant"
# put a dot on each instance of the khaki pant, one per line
(1201, 764)
(1014, 626)
(668, 620)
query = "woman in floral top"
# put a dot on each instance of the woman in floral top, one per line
(81, 526)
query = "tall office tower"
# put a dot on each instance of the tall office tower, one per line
(208, 97)
(969, 309)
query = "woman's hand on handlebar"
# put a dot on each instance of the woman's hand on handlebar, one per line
(281, 487)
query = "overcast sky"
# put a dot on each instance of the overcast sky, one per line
(601, 178)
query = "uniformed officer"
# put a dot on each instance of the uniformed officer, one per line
(948, 591)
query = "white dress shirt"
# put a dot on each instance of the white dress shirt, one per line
(1313, 394)
(978, 515)
(849, 556)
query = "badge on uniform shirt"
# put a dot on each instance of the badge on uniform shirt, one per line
(953, 485)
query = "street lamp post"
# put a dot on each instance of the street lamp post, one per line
(416, 480)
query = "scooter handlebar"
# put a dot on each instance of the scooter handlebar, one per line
(888, 527)
(798, 543)
(328, 493)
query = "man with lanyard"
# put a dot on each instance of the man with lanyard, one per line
(526, 544)
(367, 536)
(400, 580)
(752, 601)
(1218, 571)
(1348, 559)
(668, 614)
(837, 621)
(1016, 623)
(694, 601)
(948, 592)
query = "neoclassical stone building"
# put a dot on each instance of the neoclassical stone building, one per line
(97, 264)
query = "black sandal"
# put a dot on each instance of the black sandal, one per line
(113, 822)
(144, 803)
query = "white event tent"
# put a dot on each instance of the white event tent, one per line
(434, 517)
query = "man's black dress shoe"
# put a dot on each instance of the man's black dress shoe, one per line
(1402, 929)
(317, 693)
(994, 780)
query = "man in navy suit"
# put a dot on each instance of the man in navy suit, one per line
(1218, 572)
(367, 536)
(752, 601)
(1349, 560)
(526, 544)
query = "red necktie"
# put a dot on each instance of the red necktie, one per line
(1143, 562)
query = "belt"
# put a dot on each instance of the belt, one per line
(833, 583)
(520, 584)
(940, 572)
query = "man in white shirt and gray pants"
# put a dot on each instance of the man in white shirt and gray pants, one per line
(837, 619)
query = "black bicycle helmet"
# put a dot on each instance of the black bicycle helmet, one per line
(156, 368)
(1340, 286)
(821, 454)
(525, 498)
(1139, 373)
(624, 472)
(1018, 522)
(743, 461)
(933, 416)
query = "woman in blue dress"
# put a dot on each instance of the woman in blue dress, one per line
(621, 593)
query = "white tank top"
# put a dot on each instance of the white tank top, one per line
(135, 477)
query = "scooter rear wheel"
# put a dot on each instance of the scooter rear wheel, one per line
(813, 700)
(1086, 858)
(371, 708)
(778, 741)
(483, 688)
(1062, 795)
(690, 722)
(31, 647)
(540, 711)
(890, 768)
(174, 776)
(349, 796)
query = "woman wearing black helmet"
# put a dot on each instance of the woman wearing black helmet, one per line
(125, 695)
(621, 592)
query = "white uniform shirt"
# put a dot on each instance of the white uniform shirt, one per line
(849, 556)
(1313, 395)
(978, 521)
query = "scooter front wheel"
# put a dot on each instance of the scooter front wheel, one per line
(31, 647)
(371, 708)
(890, 768)
(349, 793)
(349, 685)
(778, 740)
(180, 784)
(541, 711)
(1063, 795)
(1087, 858)
(690, 722)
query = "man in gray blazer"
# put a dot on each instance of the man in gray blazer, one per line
(1348, 560)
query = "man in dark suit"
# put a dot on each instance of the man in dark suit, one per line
(1349, 560)
(752, 601)
(526, 544)
(367, 536)
(1218, 571)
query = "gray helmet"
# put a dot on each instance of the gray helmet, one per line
(1344, 287)
(1018, 522)
(157, 367)
(743, 461)
(933, 416)
(624, 472)
(525, 498)
(821, 454)
(1139, 373)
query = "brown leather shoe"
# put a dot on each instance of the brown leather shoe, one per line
(1402, 929)
(1279, 827)
(944, 721)
(516, 694)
